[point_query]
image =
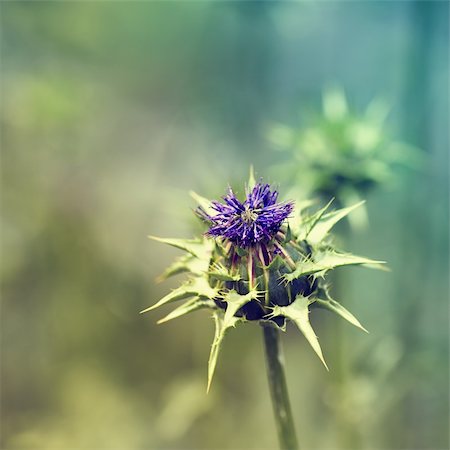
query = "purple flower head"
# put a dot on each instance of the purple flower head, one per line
(246, 224)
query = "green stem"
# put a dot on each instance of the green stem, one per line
(278, 389)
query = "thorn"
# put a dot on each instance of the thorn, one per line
(147, 309)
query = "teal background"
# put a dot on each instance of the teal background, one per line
(111, 113)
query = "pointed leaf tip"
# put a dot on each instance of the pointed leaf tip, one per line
(196, 287)
(193, 246)
(337, 308)
(251, 178)
(326, 222)
(190, 306)
(298, 312)
(147, 309)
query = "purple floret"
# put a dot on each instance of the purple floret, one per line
(255, 220)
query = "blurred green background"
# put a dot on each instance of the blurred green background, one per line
(111, 112)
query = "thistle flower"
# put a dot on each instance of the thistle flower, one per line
(260, 260)
(253, 222)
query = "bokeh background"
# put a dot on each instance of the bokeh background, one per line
(111, 113)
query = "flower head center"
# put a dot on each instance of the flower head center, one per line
(248, 215)
(255, 220)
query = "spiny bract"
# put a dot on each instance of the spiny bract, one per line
(259, 262)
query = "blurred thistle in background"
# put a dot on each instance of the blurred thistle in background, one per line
(110, 112)
(342, 154)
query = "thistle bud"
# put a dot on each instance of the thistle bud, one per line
(260, 260)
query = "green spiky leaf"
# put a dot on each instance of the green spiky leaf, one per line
(186, 263)
(195, 287)
(224, 322)
(326, 222)
(314, 220)
(180, 265)
(196, 247)
(296, 222)
(236, 301)
(221, 329)
(190, 306)
(298, 312)
(329, 261)
(337, 308)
